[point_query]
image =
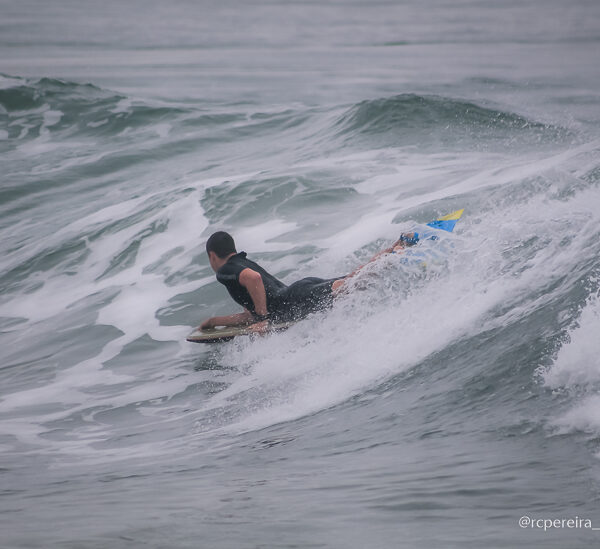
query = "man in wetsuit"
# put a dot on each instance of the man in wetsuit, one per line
(264, 297)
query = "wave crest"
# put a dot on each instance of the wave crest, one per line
(409, 119)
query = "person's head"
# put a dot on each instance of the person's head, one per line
(219, 247)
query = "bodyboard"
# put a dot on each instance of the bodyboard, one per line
(222, 333)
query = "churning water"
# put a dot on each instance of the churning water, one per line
(431, 407)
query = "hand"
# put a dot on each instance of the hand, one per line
(207, 324)
(259, 327)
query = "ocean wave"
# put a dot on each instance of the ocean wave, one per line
(66, 134)
(34, 107)
(127, 269)
(71, 109)
(410, 119)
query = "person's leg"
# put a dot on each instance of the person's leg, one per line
(405, 240)
(337, 284)
(308, 295)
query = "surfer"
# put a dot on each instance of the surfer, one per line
(264, 297)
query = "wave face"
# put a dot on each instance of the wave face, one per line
(432, 406)
(433, 122)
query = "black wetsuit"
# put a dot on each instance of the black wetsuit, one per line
(284, 303)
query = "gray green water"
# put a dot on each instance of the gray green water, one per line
(429, 409)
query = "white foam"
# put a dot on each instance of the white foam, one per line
(374, 335)
(123, 106)
(7, 82)
(141, 290)
(60, 291)
(584, 416)
(578, 360)
(52, 117)
(162, 130)
(262, 236)
(321, 361)
(98, 123)
(576, 370)
(327, 359)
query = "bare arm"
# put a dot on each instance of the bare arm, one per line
(239, 319)
(253, 282)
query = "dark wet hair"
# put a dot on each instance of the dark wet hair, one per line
(221, 243)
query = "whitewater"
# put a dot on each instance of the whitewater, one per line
(432, 406)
